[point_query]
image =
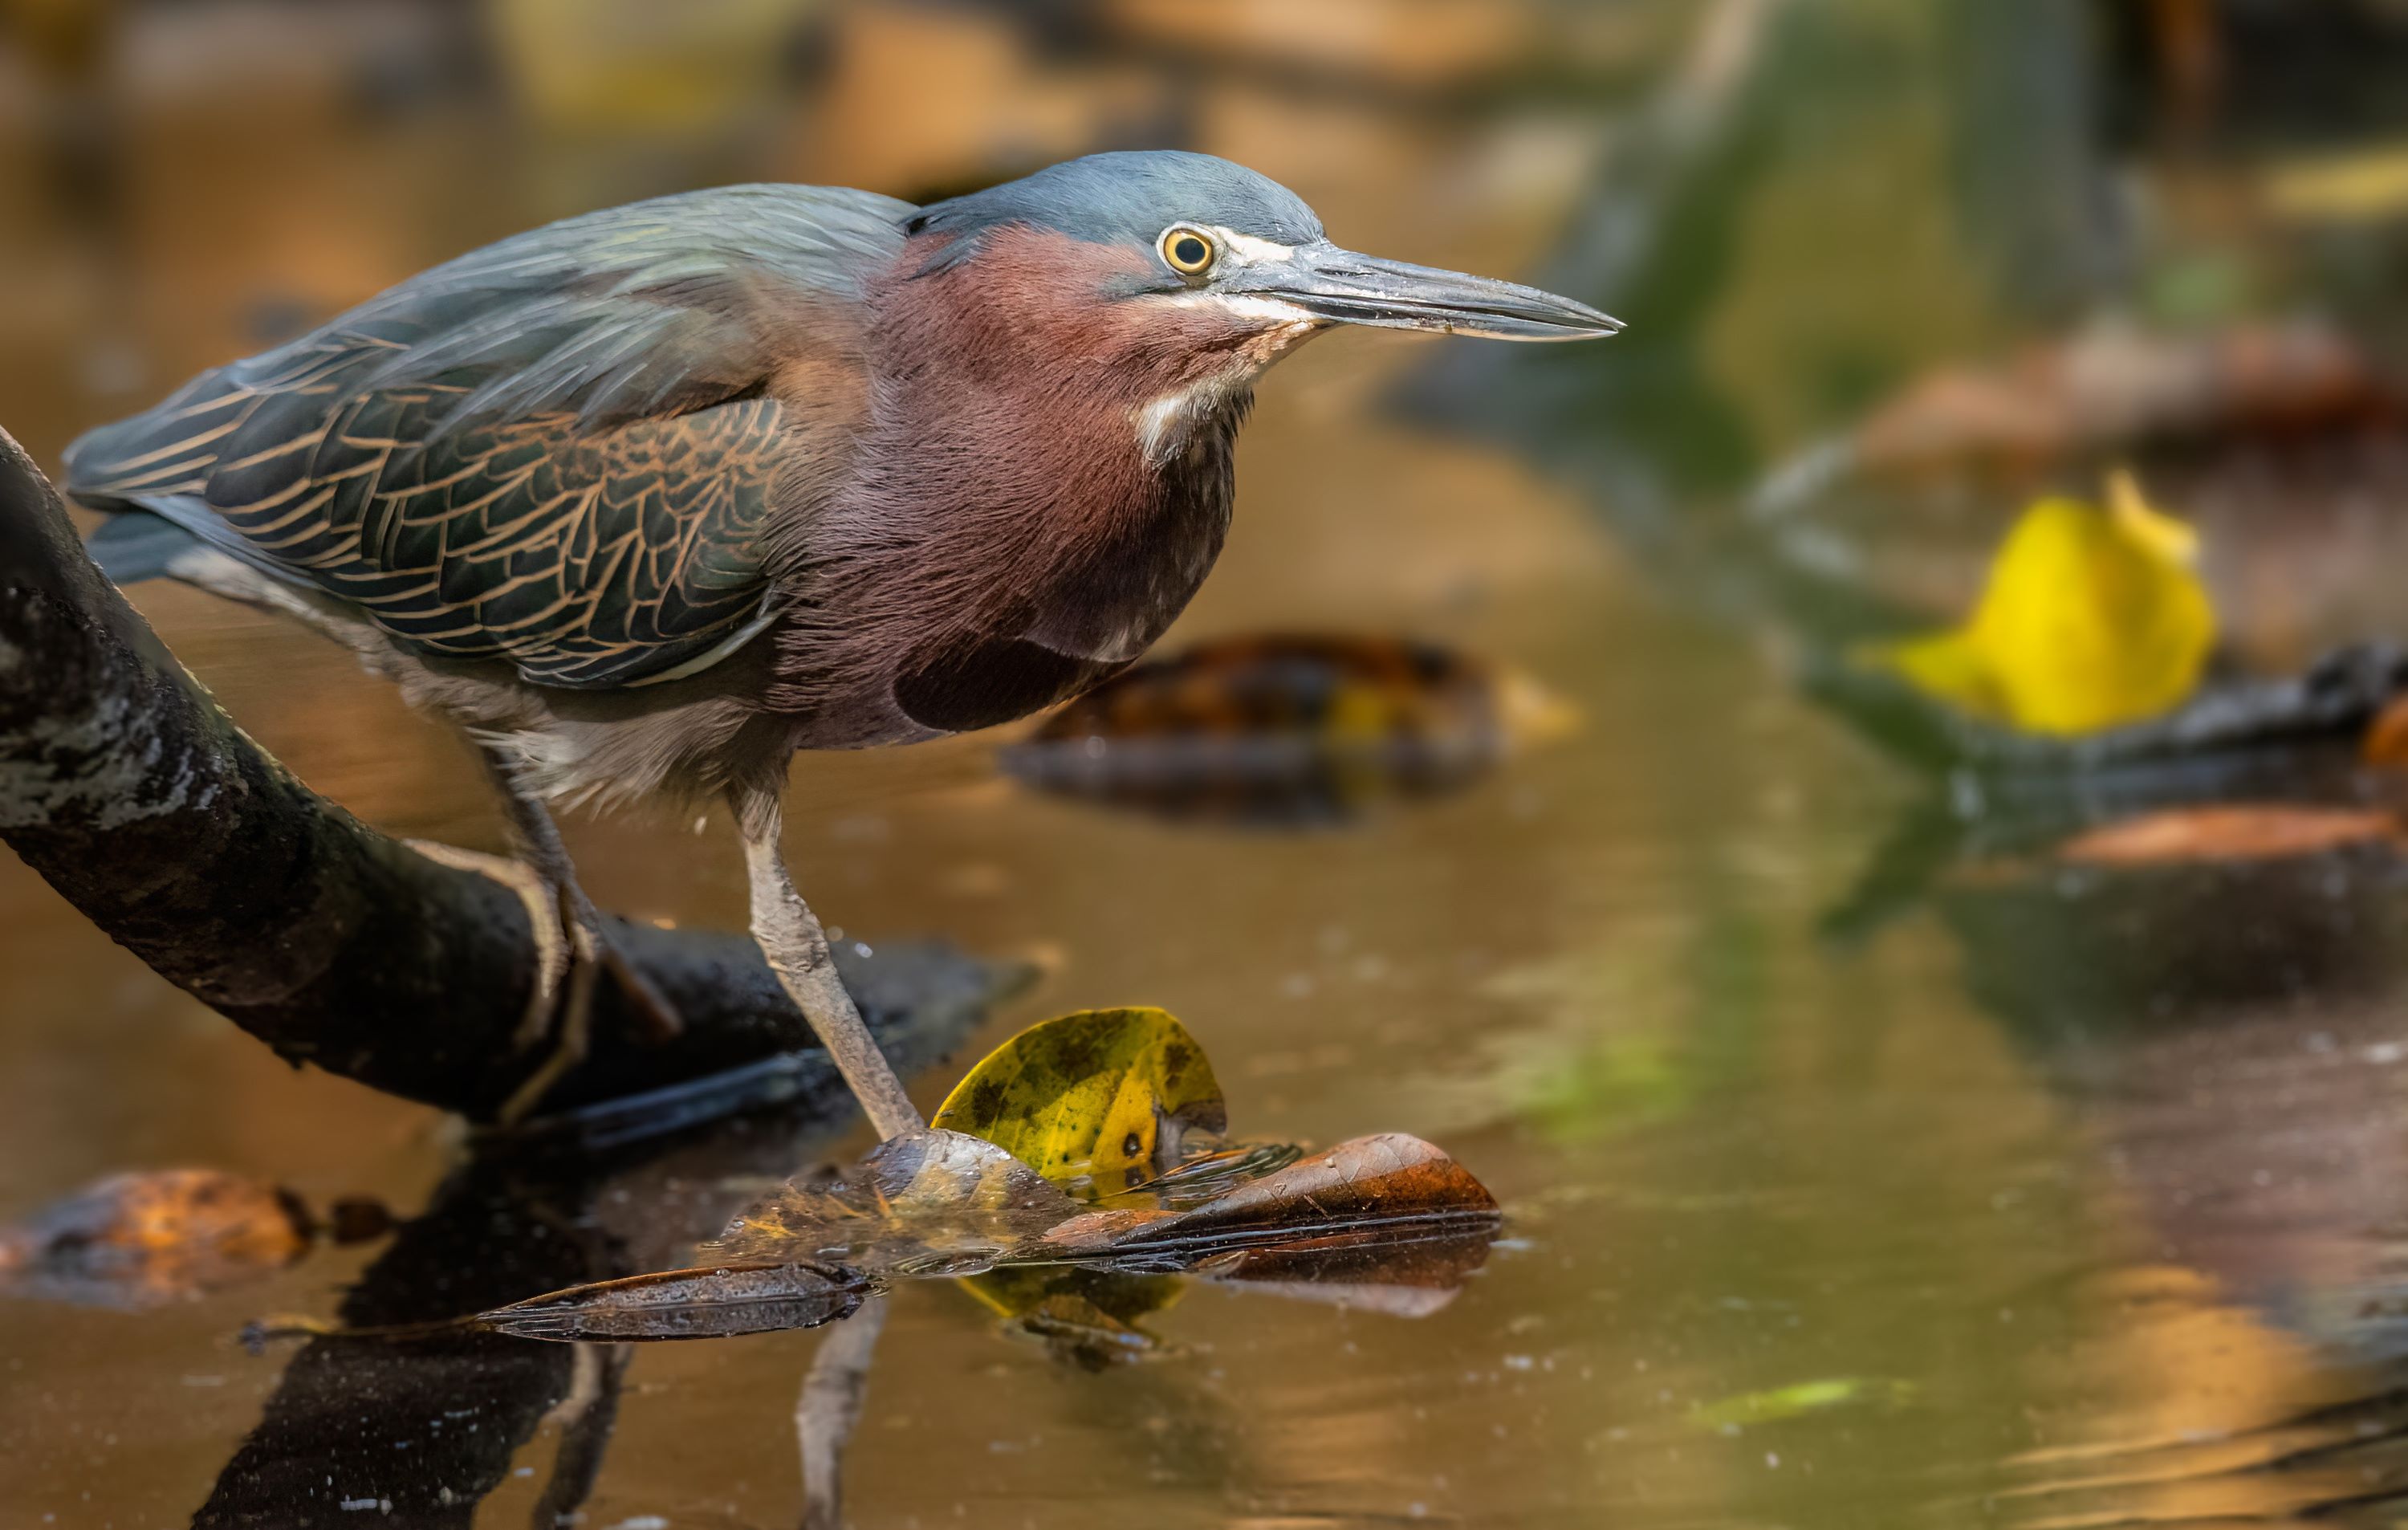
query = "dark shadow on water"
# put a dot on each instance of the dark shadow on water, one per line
(420, 1429)
(428, 1426)
(423, 1428)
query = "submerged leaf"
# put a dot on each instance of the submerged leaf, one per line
(1206, 1175)
(140, 1239)
(938, 1202)
(1775, 1404)
(713, 1302)
(1287, 729)
(1097, 1101)
(2092, 618)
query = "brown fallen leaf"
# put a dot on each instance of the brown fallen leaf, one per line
(1389, 1190)
(2385, 740)
(2235, 831)
(136, 1240)
(1286, 729)
(2117, 387)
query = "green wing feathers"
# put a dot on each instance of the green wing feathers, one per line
(554, 452)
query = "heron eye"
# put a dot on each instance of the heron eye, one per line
(1187, 251)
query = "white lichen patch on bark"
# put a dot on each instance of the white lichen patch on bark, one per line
(105, 766)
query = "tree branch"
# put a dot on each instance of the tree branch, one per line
(130, 793)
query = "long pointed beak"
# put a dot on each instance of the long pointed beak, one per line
(1341, 287)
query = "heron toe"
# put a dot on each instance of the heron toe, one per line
(563, 1014)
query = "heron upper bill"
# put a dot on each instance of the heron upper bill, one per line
(1339, 286)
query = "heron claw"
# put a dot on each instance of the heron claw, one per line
(585, 952)
(571, 951)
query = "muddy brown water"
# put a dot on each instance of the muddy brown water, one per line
(2048, 1199)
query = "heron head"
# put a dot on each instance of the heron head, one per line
(1178, 238)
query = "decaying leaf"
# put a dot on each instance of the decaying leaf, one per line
(1101, 1097)
(1097, 1101)
(1208, 1173)
(1390, 1191)
(2231, 832)
(936, 1203)
(713, 1302)
(1287, 729)
(2093, 618)
(140, 1239)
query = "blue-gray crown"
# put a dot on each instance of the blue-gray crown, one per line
(1128, 198)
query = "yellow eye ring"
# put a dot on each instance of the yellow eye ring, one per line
(1188, 251)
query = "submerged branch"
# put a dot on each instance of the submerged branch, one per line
(130, 792)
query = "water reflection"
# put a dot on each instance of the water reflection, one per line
(422, 1427)
(412, 1414)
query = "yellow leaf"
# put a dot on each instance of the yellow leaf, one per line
(1950, 667)
(1095, 1101)
(2093, 618)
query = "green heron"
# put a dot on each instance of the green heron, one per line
(650, 499)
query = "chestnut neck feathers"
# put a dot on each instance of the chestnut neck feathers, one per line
(1043, 466)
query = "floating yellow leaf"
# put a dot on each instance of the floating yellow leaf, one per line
(1095, 1101)
(2093, 618)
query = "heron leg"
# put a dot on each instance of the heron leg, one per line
(567, 1016)
(797, 949)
